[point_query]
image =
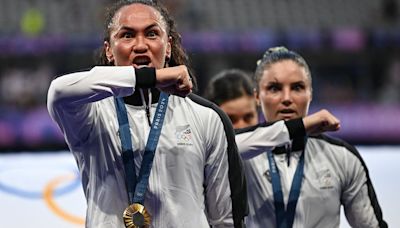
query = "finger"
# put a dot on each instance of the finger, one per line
(185, 85)
(335, 123)
(333, 126)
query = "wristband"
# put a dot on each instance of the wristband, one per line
(145, 77)
(296, 128)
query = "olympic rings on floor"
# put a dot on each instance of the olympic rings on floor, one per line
(39, 195)
(48, 195)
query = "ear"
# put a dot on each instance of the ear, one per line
(257, 97)
(109, 54)
(169, 48)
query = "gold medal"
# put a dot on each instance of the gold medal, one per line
(136, 216)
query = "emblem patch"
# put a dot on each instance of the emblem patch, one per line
(183, 135)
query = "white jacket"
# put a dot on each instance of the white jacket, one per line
(334, 175)
(197, 178)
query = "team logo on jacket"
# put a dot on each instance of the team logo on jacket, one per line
(325, 179)
(183, 135)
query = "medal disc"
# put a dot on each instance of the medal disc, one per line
(136, 216)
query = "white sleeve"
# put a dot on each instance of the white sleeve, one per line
(225, 188)
(263, 137)
(89, 86)
(70, 97)
(358, 195)
(217, 189)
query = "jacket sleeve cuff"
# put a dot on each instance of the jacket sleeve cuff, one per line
(296, 128)
(145, 77)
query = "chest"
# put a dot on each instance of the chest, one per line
(321, 181)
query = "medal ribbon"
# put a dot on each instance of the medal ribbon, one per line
(137, 186)
(285, 218)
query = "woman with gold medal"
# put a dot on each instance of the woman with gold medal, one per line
(143, 144)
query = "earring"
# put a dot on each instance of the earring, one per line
(166, 64)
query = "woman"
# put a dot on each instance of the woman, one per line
(232, 91)
(120, 123)
(305, 185)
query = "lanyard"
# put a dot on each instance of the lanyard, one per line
(137, 186)
(285, 218)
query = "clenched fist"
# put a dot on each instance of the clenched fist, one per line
(174, 80)
(320, 122)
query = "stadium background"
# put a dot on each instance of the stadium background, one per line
(352, 47)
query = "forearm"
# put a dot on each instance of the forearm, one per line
(89, 86)
(262, 138)
(71, 97)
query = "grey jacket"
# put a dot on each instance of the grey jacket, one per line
(334, 175)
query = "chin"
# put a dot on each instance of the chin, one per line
(286, 117)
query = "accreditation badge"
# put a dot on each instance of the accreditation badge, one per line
(136, 216)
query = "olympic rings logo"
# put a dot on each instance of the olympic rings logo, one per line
(51, 190)
(48, 194)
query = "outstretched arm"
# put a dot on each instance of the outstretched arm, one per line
(264, 137)
(71, 97)
(101, 82)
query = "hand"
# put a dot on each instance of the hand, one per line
(320, 122)
(174, 80)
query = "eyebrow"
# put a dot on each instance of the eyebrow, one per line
(278, 82)
(132, 29)
(273, 82)
(298, 82)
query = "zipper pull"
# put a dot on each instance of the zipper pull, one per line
(146, 106)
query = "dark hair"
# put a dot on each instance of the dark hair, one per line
(178, 54)
(228, 85)
(278, 54)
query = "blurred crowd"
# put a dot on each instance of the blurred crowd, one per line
(353, 48)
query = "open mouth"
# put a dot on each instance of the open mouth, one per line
(141, 61)
(287, 111)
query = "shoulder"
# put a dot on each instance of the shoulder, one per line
(198, 109)
(209, 115)
(336, 147)
(329, 141)
(202, 104)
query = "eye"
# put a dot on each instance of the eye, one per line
(298, 87)
(127, 35)
(248, 117)
(152, 34)
(274, 88)
(234, 119)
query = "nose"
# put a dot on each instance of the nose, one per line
(140, 45)
(286, 97)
